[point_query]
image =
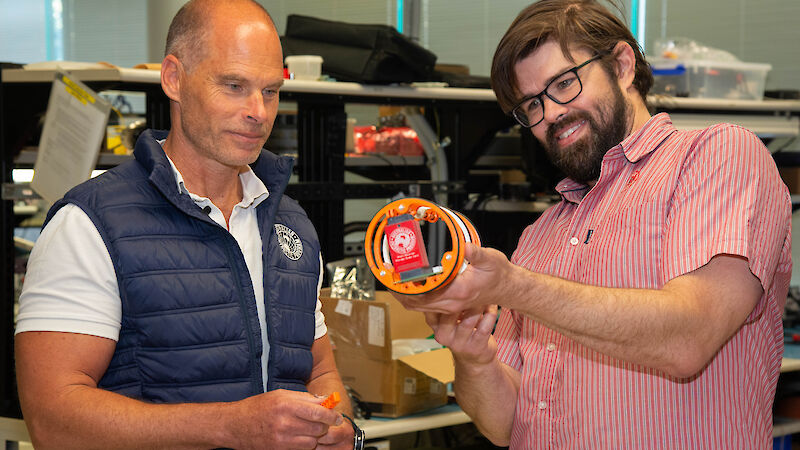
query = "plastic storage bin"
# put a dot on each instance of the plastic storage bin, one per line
(709, 79)
(304, 67)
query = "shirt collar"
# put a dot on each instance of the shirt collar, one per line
(647, 138)
(253, 189)
(571, 190)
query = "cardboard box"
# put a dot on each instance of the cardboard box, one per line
(362, 332)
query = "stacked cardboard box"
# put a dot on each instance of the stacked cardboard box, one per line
(362, 333)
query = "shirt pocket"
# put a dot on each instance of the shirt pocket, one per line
(626, 249)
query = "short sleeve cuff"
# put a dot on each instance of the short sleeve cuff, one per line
(77, 326)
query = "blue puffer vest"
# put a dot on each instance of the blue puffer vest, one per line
(190, 329)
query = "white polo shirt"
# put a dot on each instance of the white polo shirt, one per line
(71, 285)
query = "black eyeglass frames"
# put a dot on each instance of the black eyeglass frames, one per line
(562, 89)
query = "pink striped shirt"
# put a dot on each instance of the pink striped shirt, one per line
(666, 202)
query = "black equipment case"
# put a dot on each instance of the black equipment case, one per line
(363, 53)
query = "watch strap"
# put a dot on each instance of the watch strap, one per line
(358, 434)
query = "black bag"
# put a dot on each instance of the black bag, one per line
(358, 52)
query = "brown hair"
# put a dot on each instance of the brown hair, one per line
(189, 29)
(582, 23)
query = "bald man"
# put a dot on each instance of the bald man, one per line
(173, 301)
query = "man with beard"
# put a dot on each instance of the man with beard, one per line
(643, 311)
(164, 306)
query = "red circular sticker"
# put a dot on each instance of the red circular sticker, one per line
(402, 240)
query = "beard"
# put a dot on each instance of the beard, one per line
(582, 160)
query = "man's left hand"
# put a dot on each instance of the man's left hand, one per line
(338, 437)
(479, 285)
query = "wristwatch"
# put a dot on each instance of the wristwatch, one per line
(358, 434)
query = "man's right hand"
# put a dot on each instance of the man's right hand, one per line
(282, 419)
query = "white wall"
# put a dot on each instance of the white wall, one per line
(354, 11)
(159, 15)
(114, 31)
(468, 32)
(22, 31)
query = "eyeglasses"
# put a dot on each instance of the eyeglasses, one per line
(562, 89)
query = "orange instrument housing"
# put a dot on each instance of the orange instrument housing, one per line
(402, 265)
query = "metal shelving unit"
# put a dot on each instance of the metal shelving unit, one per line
(468, 117)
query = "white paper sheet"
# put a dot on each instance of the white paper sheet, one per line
(73, 131)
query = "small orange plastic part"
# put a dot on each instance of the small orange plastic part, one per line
(332, 400)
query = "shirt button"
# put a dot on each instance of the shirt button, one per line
(542, 405)
(573, 241)
(550, 347)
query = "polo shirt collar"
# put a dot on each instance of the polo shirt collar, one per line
(647, 138)
(253, 189)
(571, 190)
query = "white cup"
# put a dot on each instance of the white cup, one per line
(304, 67)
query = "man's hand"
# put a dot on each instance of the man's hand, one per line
(339, 437)
(481, 284)
(486, 389)
(468, 335)
(284, 419)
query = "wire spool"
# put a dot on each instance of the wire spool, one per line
(408, 213)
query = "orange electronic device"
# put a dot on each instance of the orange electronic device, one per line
(395, 249)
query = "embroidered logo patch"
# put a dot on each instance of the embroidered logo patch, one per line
(632, 179)
(289, 241)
